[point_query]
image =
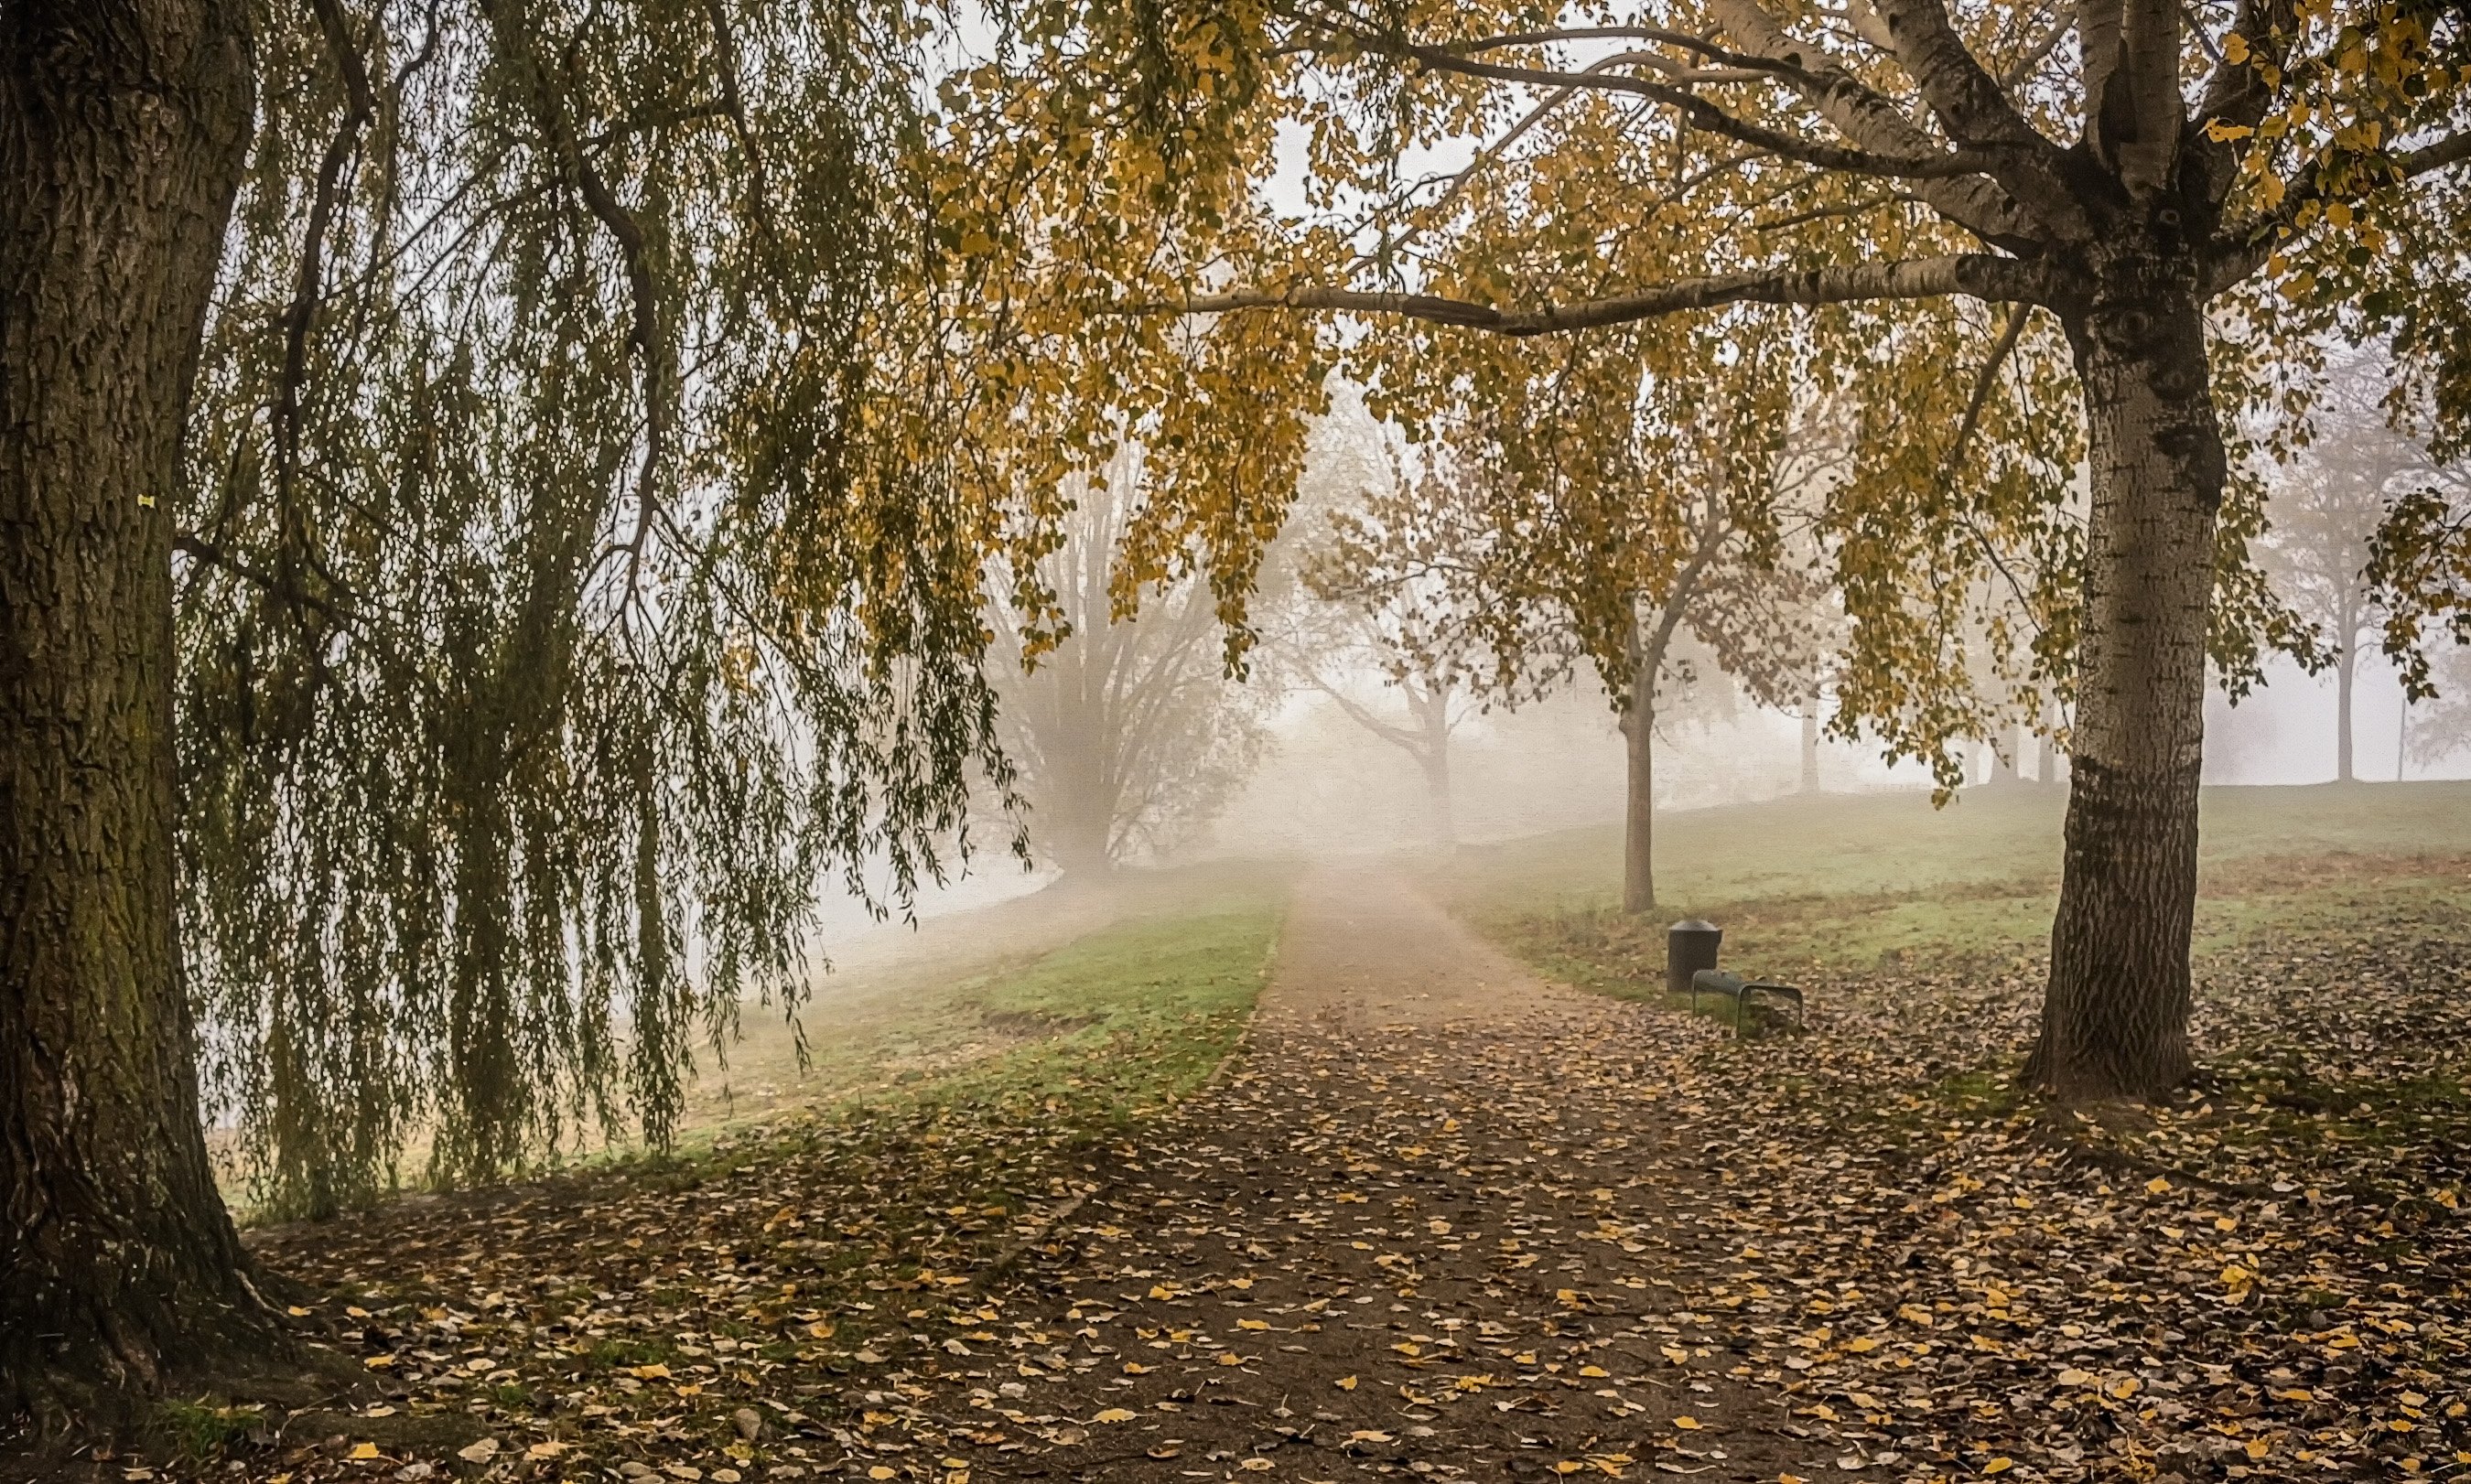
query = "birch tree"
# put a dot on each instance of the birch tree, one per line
(2114, 221)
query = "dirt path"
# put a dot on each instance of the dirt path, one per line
(1427, 1225)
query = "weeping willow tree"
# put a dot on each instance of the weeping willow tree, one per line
(562, 582)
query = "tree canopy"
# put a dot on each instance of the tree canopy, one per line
(576, 577)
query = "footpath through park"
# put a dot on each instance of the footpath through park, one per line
(1430, 1222)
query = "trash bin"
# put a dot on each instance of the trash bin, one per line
(1690, 947)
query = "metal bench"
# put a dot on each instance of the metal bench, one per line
(1740, 991)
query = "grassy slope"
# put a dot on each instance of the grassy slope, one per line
(1850, 881)
(1110, 1000)
(1058, 974)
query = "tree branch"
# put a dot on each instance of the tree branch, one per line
(1974, 275)
(1707, 116)
(1981, 204)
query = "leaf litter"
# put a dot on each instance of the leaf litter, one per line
(1439, 1220)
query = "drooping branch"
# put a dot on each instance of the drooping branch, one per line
(1973, 275)
(360, 106)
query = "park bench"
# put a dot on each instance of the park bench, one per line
(1740, 991)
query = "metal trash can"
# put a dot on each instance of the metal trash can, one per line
(1690, 947)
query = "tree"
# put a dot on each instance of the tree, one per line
(2124, 188)
(573, 572)
(118, 165)
(2326, 512)
(1581, 511)
(1379, 610)
(1126, 730)
(2443, 728)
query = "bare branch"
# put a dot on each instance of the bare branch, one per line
(2453, 150)
(1707, 116)
(1981, 205)
(2035, 54)
(1961, 91)
(1975, 275)
(2000, 350)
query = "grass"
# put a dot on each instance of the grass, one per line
(1141, 1002)
(1861, 881)
(1129, 992)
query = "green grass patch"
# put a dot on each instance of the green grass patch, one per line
(1867, 881)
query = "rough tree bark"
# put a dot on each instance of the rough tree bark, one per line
(123, 128)
(2114, 1020)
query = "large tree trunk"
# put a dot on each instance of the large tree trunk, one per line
(123, 128)
(2115, 1018)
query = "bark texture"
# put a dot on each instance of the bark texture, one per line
(2114, 1021)
(123, 125)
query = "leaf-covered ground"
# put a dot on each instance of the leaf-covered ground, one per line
(1438, 1219)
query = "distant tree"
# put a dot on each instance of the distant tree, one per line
(1596, 511)
(1124, 726)
(2326, 511)
(2439, 728)
(1378, 610)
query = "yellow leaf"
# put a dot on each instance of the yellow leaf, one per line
(653, 1372)
(2221, 133)
(2235, 49)
(1861, 1344)
(879, 1471)
(1112, 1414)
(1594, 1370)
(1999, 1466)
(1252, 1324)
(1687, 1423)
(1347, 1383)
(1160, 1291)
(2258, 1448)
(364, 1450)
(2156, 1186)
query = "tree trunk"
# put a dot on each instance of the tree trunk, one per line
(2345, 671)
(1810, 745)
(1638, 814)
(2115, 1017)
(1433, 717)
(122, 134)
